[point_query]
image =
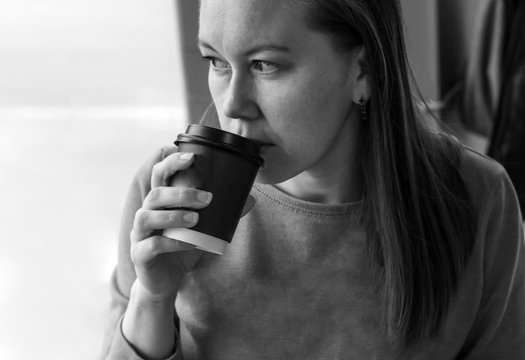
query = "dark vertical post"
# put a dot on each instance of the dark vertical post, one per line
(456, 29)
(195, 70)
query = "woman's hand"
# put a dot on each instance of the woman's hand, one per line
(161, 262)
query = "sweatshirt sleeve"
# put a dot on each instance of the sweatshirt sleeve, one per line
(115, 346)
(499, 329)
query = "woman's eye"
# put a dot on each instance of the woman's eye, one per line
(216, 63)
(264, 66)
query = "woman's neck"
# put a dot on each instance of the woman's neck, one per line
(335, 180)
(324, 190)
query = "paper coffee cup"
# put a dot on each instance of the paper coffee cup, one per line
(226, 165)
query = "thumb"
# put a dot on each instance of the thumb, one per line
(248, 205)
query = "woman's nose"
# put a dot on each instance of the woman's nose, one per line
(239, 102)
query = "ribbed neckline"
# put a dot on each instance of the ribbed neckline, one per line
(351, 210)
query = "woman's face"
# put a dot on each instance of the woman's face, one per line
(275, 80)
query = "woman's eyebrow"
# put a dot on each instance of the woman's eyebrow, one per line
(204, 44)
(267, 47)
(254, 50)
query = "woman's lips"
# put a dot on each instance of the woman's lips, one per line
(265, 148)
(264, 145)
(261, 143)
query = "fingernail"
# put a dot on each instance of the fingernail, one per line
(190, 217)
(204, 197)
(186, 156)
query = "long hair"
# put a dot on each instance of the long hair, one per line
(416, 206)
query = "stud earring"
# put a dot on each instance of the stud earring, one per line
(364, 115)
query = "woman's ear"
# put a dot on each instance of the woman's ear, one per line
(361, 76)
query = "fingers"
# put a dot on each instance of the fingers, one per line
(248, 206)
(147, 221)
(145, 251)
(165, 169)
(176, 197)
(166, 206)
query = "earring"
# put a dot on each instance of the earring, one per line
(364, 115)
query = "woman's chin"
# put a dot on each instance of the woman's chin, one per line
(270, 175)
(264, 178)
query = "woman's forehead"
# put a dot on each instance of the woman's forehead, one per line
(247, 21)
(248, 13)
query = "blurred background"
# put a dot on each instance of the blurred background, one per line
(88, 90)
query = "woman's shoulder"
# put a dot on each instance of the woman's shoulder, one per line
(154, 158)
(479, 170)
(160, 154)
(142, 178)
(485, 179)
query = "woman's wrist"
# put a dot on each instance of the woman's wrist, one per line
(144, 297)
(148, 323)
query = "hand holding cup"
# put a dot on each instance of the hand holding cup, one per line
(161, 262)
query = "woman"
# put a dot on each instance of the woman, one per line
(372, 237)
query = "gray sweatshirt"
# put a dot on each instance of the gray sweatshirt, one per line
(296, 283)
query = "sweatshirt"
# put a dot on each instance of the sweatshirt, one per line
(297, 283)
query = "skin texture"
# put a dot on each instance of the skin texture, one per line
(274, 79)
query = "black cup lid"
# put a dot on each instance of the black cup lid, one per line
(222, 139)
